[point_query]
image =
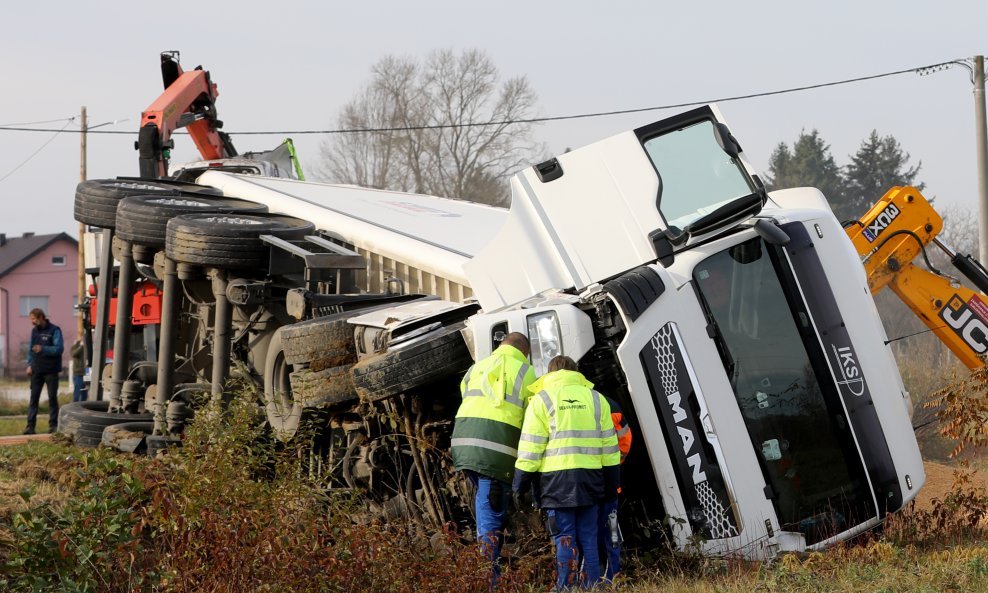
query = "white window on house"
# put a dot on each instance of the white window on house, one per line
(32, 302)
(75, 306)
(58, 260)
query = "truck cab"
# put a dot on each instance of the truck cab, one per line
(734, 326)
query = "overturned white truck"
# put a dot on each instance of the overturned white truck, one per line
(735, 327)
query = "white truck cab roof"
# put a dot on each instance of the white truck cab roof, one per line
(601, 210)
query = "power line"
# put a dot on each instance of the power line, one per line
(35, 153)
(921, 70)
(34, 123)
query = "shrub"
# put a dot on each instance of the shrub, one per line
(956, 518)
(232, 512)
(92, 543)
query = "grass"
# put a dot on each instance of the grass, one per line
(16, 406)
(307, 540)
(185, 522)
(14, 410)
(10, 426)
(878, 566)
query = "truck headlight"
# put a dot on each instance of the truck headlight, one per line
(543, 334)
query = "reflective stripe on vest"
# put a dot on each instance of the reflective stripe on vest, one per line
(596, 408)
(516, 391)
(549, 410)
(468, 442)
(568, 449)
(534, 438)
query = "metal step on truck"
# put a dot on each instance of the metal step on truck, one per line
(734, 326)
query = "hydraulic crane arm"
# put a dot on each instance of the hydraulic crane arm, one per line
(889, 237)
(189, 100)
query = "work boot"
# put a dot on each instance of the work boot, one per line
(29, 430)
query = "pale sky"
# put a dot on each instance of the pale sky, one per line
(292, 66)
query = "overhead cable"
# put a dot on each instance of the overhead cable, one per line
(35, 153)
(921, 70)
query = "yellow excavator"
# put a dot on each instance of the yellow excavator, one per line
(889, 237)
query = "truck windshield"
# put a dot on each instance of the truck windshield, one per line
(697, 176)
(792, 412)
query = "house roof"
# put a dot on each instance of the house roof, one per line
(16, 250)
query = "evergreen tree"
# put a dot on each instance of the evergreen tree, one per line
(808, 164)
(879, 165)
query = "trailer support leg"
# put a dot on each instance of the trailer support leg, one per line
(221, 333)
(166, 345)
(121, 338)
(102, 313)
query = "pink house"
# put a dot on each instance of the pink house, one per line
(36, 271)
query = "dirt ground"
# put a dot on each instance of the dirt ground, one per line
(939, 480)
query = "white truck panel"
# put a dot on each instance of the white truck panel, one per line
(422, 240)
(586, 226)
(863, 323)
(721, 421)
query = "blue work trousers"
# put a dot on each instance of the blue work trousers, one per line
(491, 508)
(608, 548)
(39, 380)
(79, 391)
(574, 532)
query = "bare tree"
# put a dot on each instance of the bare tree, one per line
(444, 127)
(374, 158)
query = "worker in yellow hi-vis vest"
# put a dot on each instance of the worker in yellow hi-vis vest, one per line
(486, 431)
(569, 451)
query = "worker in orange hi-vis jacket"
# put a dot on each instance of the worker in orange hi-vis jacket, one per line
(608, 532)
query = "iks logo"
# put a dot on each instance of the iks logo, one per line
(965, 320)
(881, 222)
(852, 380)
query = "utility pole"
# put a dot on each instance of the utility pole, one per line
(81, 288)
(981, 131)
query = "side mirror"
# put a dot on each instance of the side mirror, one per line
(769, 231)
(726, 140)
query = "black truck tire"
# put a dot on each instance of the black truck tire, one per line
(322, 342)
(143, 219)
(66, 426)
(230, 241)
(156, 443)
(326, 341)
(85, 421)
(96, 199)
(282, 411)
(87, 441)
(127, 437)
(434, 357)
(327, 387)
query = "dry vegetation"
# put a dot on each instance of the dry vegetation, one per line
(230, 513)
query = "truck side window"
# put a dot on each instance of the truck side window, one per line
(498, 331)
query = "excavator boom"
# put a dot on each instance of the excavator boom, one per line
(889, 237)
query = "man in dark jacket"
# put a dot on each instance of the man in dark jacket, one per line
(569, 451)
(44, 363)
